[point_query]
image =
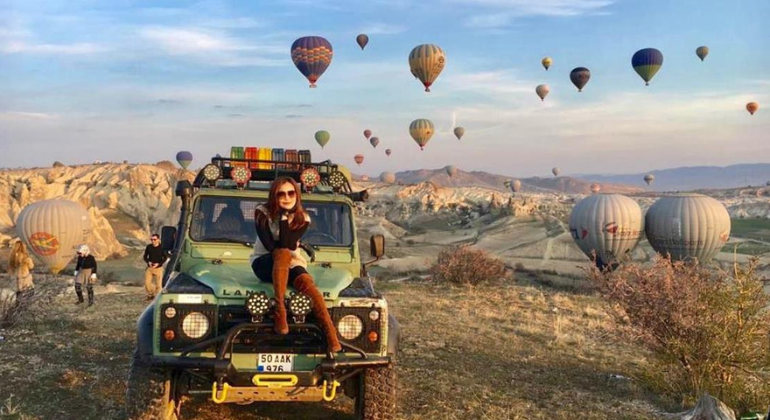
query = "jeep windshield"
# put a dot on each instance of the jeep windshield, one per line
(231, 219)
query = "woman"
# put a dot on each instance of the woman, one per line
(19, 267)
(280, 223)
(85, 272)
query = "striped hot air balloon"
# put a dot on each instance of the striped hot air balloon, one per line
(367, 133)
(388, 177)
(515, 185)
(52, 231)
(542, 91)
(426, 62)
(421, 131)
(702, 52)
(374, 141)
(687, 226)
(184, 159)
(359, 159)
(647, 62)
(607, 225)
(546, 62)
(649, 178)
(312, 56)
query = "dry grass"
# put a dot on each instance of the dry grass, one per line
(503, 352)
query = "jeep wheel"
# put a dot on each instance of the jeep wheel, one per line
(376, 398)
(149, 395)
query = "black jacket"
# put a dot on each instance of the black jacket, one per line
(86, 262)
(154, 254)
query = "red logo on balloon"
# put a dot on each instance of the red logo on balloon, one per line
(43, 243)
(611, 227)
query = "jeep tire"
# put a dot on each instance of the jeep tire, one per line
(376, 399)
(149, 393)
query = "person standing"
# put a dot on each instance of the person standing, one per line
(85, 272)
(153, 274)
(20, 266)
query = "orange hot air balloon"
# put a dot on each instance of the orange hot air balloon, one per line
(752, 107)
(359, 159)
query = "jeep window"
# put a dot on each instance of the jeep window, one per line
(224, 219)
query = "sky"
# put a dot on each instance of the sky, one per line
(86, 80)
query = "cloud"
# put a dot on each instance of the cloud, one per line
(213, 47)
(501, 13)
(26, 116)
(20, 47)
(293, 116)
(382, 29)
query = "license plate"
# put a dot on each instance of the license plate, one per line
(275, 362)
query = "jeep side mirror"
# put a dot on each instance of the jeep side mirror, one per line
(167, 238)
(377, 246)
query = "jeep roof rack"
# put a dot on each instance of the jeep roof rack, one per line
(268, 170)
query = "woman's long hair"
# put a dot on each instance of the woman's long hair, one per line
(19, 255)
(274, 207)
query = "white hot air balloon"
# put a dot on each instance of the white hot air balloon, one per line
(608, 225)
(515, 185)
(388, 177)
(687, 226)
(52, 231)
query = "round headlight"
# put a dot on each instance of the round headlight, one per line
(350, 327)
(170, 312)
(374, 315)
(195, 325)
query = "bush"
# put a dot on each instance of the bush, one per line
(108, 277)
(708, 329)
(467, 266)
(30, 305)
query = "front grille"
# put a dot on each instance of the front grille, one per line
(180, 340)
(362, 341)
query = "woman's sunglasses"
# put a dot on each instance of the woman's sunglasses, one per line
(286, 194)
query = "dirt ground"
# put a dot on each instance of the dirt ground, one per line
(492, 352)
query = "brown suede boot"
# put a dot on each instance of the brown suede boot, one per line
(281, 260)
(304, 284)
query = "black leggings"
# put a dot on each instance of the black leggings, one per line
(263, 268)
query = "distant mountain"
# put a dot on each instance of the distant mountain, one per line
(694, 178)
(482, 179)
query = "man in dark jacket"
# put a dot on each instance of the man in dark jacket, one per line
(85, 272)
(153, 274)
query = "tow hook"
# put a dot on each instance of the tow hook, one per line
(330, 390)
(219, 388)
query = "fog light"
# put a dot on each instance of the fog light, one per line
(170, 312)
(374, 315)
(240, 174)
(373, 336)
(299, 306)
(350, 327)
(212, 172)
(168, 335)
(257, 304)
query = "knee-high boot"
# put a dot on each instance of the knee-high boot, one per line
(281, 261)
(79, 292)
(304, 284)
(90, 290)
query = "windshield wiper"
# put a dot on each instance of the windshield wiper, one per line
(231, 240)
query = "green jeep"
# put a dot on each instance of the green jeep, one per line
(209, 333)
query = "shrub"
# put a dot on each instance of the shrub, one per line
(30, 305)
(708, 329)
(464, 265)
(108, 277)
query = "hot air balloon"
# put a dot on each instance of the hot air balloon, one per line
(752, 107)
(426, 62)
(322, 137)
(184, 158)
(595, 188)
(608, 226)
(649, 178)
(364, 178)
(687, 226)
(459, 132)
(362, 40)
(359, 159)
(579, 77)
(52, 231)
(421, 131)
(507, 183)
(450, 170)
(312, 56)
(542, 91)
(388, 177)
(702, 52)
(388, 152)
(374, 141)
(515, 185)
(647, 62)
(367, 133)
(546, 61)
(555, 171)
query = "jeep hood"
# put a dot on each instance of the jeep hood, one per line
(234, 280)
